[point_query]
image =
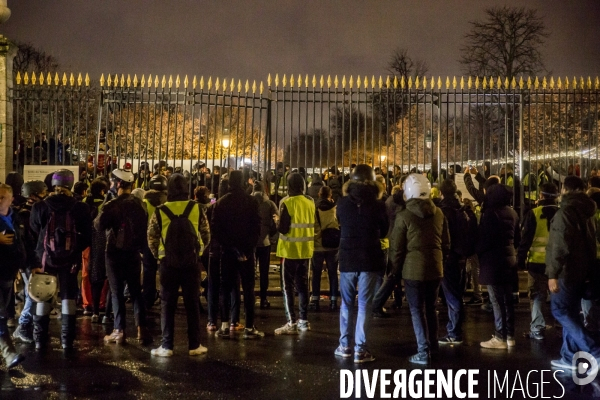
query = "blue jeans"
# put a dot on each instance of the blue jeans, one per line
(26, 317)
(538, 293)
(454, 289)
(366, 289)
(504, 310)
(421, 297)
(565, 307)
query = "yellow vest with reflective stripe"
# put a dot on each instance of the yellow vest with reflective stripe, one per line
(150, 209)
(177, 208)
(298, 243)
(537, 252)
(282, 188)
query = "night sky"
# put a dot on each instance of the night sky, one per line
(249, 39)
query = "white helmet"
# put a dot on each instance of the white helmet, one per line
(123, 175)
(416, 186)
(42, 287)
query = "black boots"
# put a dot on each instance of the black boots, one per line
(10, 355)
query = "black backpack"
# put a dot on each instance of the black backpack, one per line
(181, 242)
(60, 240)
(125, 236)
(330, 237)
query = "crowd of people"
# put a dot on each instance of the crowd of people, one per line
(411, 235)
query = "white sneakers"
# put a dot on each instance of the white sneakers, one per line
(495, 343)
(162, 352)
(287, 329)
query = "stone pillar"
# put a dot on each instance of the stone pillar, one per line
(7, 53)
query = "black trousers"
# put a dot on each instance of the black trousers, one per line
(149, 281)
(230, 269)
(294, 276)
(263, 255)
(171, 279)
(124, 267)
(214, 288)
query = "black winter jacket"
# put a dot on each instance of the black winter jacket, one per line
(236, 221)
(80, 212)
(498, 238)
(115, 212)
(571, 250)
(363, 221)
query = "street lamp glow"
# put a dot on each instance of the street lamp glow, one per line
(225, 139)
(382, 158)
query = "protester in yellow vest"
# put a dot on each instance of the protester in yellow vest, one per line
(187, 277)
(532, 252)
(156, 196)
(295, 247)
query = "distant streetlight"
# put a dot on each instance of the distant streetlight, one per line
(225, 139)
(428, 139)
(382, 158)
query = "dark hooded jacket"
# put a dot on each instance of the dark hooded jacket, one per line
(336, 188)
(236, 221)
(363, 221)
(266, 209)
(393, 205)
(80, 212)
(571, 250)
(315, 186)
(419, 241)
(156, 197)
(125, 208)
(498, 238)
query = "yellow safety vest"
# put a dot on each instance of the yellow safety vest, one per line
(537, 252)
(177, 208)
(299, 242)
(150, 209)
(385, 243)
(282, 188)
(533, 193)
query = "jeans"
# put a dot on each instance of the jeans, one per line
(294, 275)
(214, 288)
(263, 256)
(421, 297)
(124, 267)
(330, 259)
(473, 268)
(349, 281)
(504, 311)
(453, 287)
(231, 268)
(26, 317)
(149, 279)
(538, 294)
(6, 292)
(188, 278)
(565, 308)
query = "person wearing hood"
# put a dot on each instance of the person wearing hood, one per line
(295, 247)
(363, 222)
(15, 181)
(236, 228)
(570, 261)
(336, 187)
(591, 308)
(532, 253)
(155, 197)
(178, 258)
(394, 204)
(43, 215)
(418, 245)
(268, 213)
(125, 221)
(315, 186)
(462, 226)
(499, 236)
(325, 219)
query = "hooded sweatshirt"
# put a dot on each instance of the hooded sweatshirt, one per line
(419, 241)
(80, 212)
(316, 185)
(571, 250)
(266, 209)
(363, 221)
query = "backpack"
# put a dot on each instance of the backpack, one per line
(181, 242)
(330, 237)
(125, 236)
(463, 231)
(60, 240)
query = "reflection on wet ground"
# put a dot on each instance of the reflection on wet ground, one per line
(295, 367)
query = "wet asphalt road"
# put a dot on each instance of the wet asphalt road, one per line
(274, 367)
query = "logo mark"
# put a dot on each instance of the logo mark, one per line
(588, 368)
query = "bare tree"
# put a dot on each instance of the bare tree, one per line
(402, 65)
(506, 44)
(32, 59)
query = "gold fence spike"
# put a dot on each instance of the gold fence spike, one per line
(26, 78)
(395, 82)
(276, 80)
(499, 83)
(122, 80)
(536, 84)
(156, 81)
(581, 82)
(239, 86)
(462, 82)
(194, 82)
(87, 79)
(299, 81)
(469, 83)
(135, 80)
(268, 81)
(49, 79)
(567, 83)
(448, 83)
(217, 85)
(335, 81)
(209, 86)
(170, 81)
(424, 82)
(284, 81)
(149, 81)
(247, 86)
(33, 78)
(589, 82)
(521, 83)
(344, 82)
(597, 83)
(551, 82)
(529, 82)
(79, 79)
(18, 79)
(57, 79)
(322, 81)
(306, 81)
(544, 83)
(143, 81)
(201, 83)
(253, 87)
(163, 82)
(232, 85)
(41, 78)
(559, 83)
(64, 79)
(387, 82)
(402, 82)
(314, 81)
(439, 83)
(492, 83)
(476, 82)
(261, 87)
(351, 82)
(366, 82)
(432, 82)
(410, 82)
(186, 82)
(373, 81)
(108, 82)
(380, 82)
(574, 82)
(177, 82)
(292, 81)
(224, 84)
(128, 80)
(358, 82)
(484, 83)
(416, 82)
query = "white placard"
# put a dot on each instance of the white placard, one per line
(39, 172)
(459, 179)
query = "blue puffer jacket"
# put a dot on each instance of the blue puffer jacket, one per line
(12, 257)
